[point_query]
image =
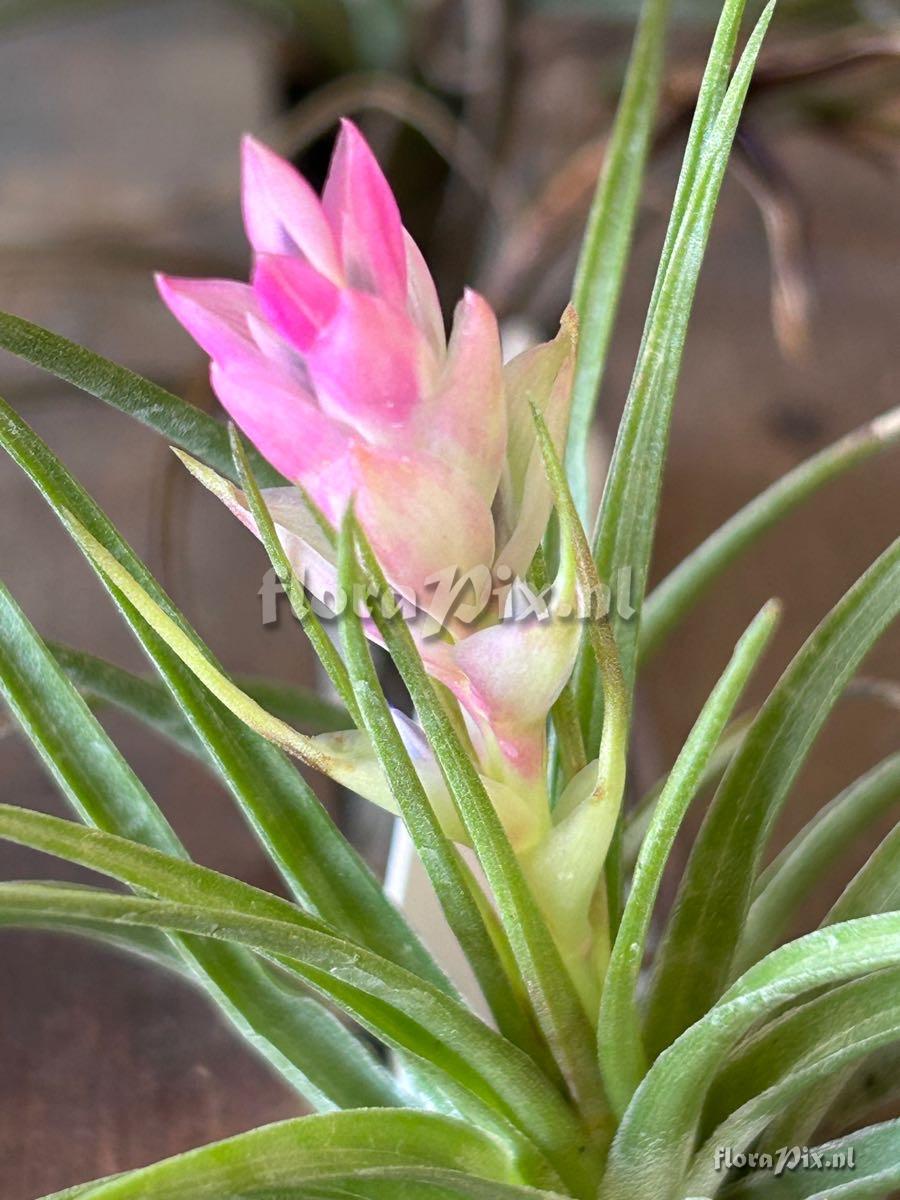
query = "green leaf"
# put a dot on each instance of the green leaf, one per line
(179, 422)
(411, 1184)
(327, 1063)
(627, 518)
(875, 1175)
(610, 229)
(797, 1059)
(312, 626)
(146, 869)
(743, 1126)
(345, 760)
(622, 1056)
(812, 853)
(710, 98)
(506, 1091)
(179, 882)
(380, 1183)
(666, 1109)
(82, 759)
(195, 657)
(637, 822)
(330, 759)
(801, 1036)
(552, 995)
(695, 959)
(296, 704)
(874, 1088)
(586, 834)
(676, 595)
(321, 868)
(144, 943)
(505, 996)
(106, 793)
(147, 699)
(284, 1157)
(875, 887)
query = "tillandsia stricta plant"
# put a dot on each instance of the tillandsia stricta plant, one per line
(435, 501)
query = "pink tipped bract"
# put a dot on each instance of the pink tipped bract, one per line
(334, 362)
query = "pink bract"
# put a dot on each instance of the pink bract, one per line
(334, 362)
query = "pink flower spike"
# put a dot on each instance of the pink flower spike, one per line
(282, 213)
(514, 671)
(466, 416)
(364, 218)
(294, 297)
(365, 366)
(306, 547)
(397, 503)
(288, 429)
(541, 376)
(214, 312)
(422, 301)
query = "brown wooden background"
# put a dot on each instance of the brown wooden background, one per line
(111, 129)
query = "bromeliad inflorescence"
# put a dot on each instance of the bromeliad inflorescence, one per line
(418, 481)
(334, 362)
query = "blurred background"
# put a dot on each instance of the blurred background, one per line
(119, 128)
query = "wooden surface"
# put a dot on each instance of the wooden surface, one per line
(111, 125)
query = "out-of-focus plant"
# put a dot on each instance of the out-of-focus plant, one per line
(383, 456)
(444, 68)
(346, 33)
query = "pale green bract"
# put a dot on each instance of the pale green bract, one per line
(616, 1066)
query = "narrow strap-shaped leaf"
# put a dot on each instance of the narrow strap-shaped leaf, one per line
(627, 518)
(876, 886)
(666, 1108)
(509, 1091)
(875, 1153)
(606, 797)
(179, 422)
(376, 1183)
(797, 1037)
(811, 854)
(797, 1125)
(319, 865)
(84, 762)
(880, 1029)
(170, 879)
(302, 609)
(552, 995)
(184, 644)
(299, 1037)
(610, 228)
(102, 683)
(150, 701)
(411, 1183)
(874, 1088)
(106, 793)
(694, 961)
(292, 1153)
(143, 943)
(145, 868)
(622, 1056)
(713, 88)
(674, 597)
(505, 996)
(637, 821)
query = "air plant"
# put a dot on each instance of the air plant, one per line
(416, 488)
